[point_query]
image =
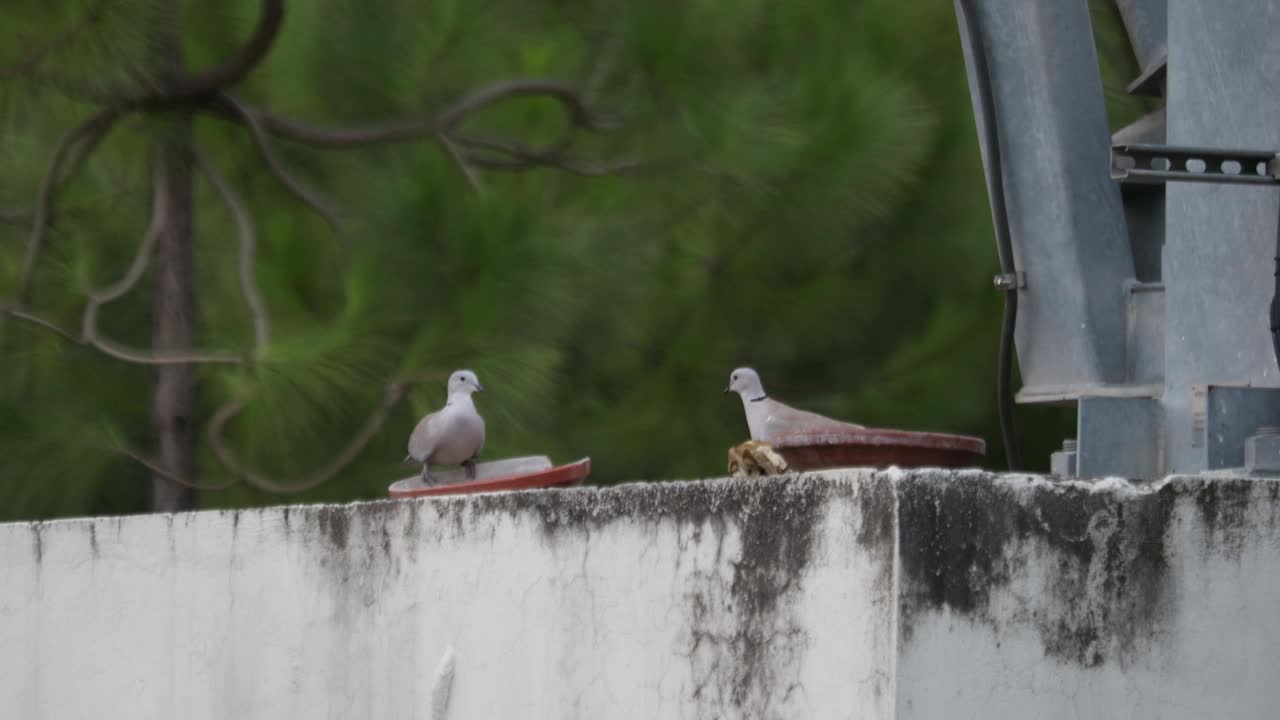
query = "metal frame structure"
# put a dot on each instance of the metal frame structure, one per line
(1141, 269)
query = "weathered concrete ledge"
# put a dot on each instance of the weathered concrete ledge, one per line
(840, 594)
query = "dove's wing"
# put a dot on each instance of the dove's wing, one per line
(426, 436)
(784, 420)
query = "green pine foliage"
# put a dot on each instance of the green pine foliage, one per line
(811, 204)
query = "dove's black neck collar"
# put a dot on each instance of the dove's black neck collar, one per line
(762, 397)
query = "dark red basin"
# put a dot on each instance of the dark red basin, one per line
(871, 447)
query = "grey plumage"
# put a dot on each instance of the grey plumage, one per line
(768, 419)
(452, 435)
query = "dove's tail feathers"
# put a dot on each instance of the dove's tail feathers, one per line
(408, 460)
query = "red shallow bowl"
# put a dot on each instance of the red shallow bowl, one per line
(561, 476)
(871, 447)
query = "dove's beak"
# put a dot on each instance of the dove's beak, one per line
(727, 390)
(479, 387)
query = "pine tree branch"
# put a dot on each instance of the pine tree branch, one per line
(120, 352)
(71, 152)
(198, 88)
(112, 349)
(516, 156)
(183, 91)
(113, 292)
(92, 15)
(159, 469)
(454, 38)
(80, 90)
(463, 163)
(34, 319)
(491, 94)
(244, 224)
(568, 165)
(277, 168)
(21, 216)
(408, 130)
(394, 393)
(91, 336)
(15, 216)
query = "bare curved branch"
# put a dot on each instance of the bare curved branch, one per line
(121, 352)
(45, 323)
(277, 168)
(66, 160)
(21, 216)
(568, 165)
(490, 94)
(113, 292)
(395, 392)
(90, 336)
(408, 130)
(515, 156)
(463, 163)
(15, 216)
(80, 90)
(34, 59)
(231, 71)
(142, 357)
(244, 223)
(159, 469)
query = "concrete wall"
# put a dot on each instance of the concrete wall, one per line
(843, 594)
(1021, 598)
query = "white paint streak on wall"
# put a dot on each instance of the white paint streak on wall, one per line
(442, 685)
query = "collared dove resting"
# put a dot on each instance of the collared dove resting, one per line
(768, 419)
(452, 435)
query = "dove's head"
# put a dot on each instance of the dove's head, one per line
(464, 382)
(745, 382)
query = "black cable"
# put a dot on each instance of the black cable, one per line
(1275, 303)
(1008, 282)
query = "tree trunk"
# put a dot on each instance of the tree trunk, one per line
(173, 307)
(173, 302)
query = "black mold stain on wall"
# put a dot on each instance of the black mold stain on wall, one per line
(745, 641)
(964, 537)
(736, 665)
(37, 543)
(1227, 506)
(877, 503)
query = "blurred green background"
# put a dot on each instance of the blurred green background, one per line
(814, 207)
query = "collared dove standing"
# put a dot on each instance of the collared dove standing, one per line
(768, 419)
(452, 435)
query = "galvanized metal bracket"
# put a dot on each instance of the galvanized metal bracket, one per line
(1152, 164)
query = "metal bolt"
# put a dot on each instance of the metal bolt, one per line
(1070, 445)
(1267, 430)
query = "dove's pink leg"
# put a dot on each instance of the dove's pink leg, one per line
(470, 468)
(426, 474)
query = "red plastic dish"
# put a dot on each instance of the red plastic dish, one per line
(561, 476)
